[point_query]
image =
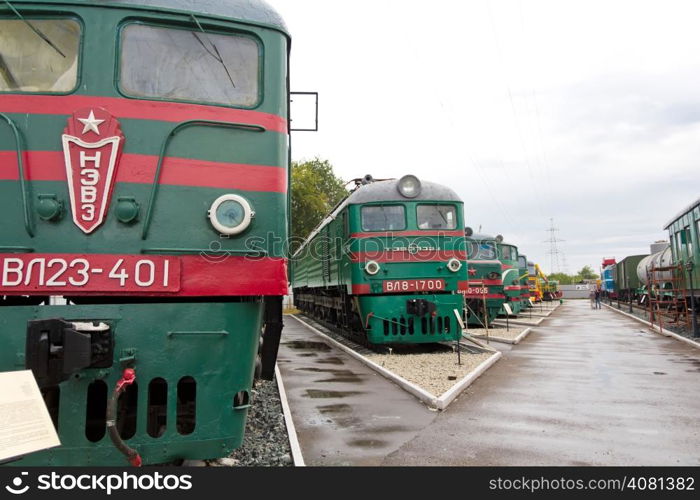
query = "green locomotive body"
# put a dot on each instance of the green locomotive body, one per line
(512, 281)
(387, 264)
(484, 294)
(143, 144)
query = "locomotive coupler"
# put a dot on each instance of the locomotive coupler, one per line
(420, 307)
(56, 348)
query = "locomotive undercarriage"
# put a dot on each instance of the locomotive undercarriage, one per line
(172, 405)
(390, 319)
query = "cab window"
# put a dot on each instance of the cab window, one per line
(39, 55)
(383, 218)
(506, 253)
(482, 250)
(179, 64)
(436, 216)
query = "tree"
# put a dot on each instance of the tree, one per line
(587, 273)
(315, 191)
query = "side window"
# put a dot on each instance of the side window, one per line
(179, 64)
(39, 55)
(688, 242)
(505, 253)
(383, 218)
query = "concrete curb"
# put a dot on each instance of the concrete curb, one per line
(291, 430)
(655, 328)
(426, 397)
(502, 322)
(449, 396)
(504, 340)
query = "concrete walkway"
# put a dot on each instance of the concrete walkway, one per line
(587, 387)
(345, 413)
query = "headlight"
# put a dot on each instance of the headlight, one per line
(454, 265)
(230, 214)
(371, 267)
(493, 275)
(409, 186)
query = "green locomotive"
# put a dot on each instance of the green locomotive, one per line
(484, 295)
(142, 142)
(387, 264)
(512, 280)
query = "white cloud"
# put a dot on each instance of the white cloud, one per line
(583, 111)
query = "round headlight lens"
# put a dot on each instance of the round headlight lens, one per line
(371, 267)
(231, 214)
(493, 275)
(454, 265)
(409, 186)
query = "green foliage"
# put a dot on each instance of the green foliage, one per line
(586, 273)
(315, 191)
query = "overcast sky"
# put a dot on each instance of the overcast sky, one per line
(584, 111)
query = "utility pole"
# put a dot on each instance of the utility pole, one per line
(553, 249)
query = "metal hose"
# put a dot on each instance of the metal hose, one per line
(128, 378)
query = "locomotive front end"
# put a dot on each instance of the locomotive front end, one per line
(408, 261)
(143, 145)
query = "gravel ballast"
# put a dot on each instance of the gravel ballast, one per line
(500, 332)
(434, 372)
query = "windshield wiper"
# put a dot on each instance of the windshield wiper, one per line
(216, 54)
(34, 29)
(7, 75)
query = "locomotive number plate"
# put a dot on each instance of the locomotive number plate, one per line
(477, 291)
(413, 285)
(58, 274)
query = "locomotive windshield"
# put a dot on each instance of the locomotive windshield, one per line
(383, 218)
(187, 65)
(39, 55)
(508, 252)
(481, 250)
(436, 216)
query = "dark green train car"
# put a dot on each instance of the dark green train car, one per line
(387, 263)
(627, 282)
(684, 235)
(142, 144)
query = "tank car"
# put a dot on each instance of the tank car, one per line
(484, 294)
(387, 263)
(142, 142)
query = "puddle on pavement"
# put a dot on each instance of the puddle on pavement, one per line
(331, 360)
(308, 345)
(317, 394)
(334, 409)
(367, 443)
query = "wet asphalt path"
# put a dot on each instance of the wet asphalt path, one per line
(344, 412)
(585, 388)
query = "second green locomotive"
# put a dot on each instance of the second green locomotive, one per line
(387, 263)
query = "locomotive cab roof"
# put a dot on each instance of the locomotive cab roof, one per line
(256, 12)
(389, 191)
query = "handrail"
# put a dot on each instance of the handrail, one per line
(164, 147)
(20, 168)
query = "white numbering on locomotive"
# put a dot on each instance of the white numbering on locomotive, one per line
(106, 273)
(413, 285)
